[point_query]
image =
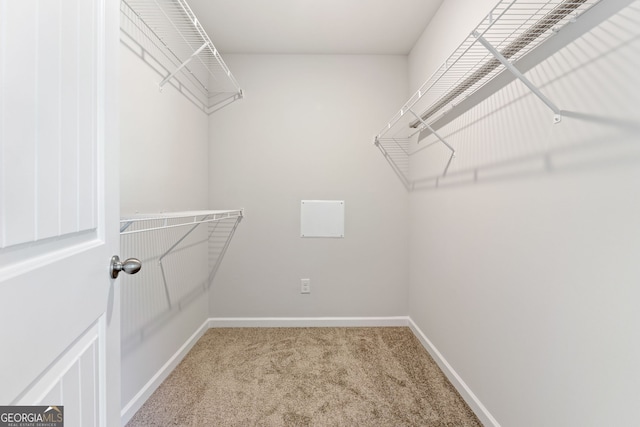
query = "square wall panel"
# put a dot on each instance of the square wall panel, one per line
(322, 218)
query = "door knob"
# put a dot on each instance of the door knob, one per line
(129, 266)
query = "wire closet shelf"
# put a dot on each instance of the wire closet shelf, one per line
(141, 223)
(167, 236)
(174, 30)
(512, 29)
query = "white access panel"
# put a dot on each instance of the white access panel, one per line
(322, 218)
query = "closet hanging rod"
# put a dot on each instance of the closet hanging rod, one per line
(521, 42)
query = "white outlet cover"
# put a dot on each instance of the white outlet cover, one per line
(305, 286)
(322, 218)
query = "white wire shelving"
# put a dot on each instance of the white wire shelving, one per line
(182, 47)
(511, 30)
(176, 227)
(141, 223)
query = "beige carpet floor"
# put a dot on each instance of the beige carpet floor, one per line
(306, 377)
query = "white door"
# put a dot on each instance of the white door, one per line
(59, 310)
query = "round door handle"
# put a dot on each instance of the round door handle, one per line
(129, 266)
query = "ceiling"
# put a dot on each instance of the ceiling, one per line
(315, 26)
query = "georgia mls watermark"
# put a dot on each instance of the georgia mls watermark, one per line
(31, 416)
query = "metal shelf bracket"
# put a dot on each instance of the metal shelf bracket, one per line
(184, 64)
(557, 117)
(427, 126)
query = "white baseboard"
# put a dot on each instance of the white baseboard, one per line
(306, 322)
(472, 400)
(138, 400)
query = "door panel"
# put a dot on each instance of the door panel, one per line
(49, 118)
(44, 311)
(48, 125)
(59, 309)
(71, 379)
(18, 134)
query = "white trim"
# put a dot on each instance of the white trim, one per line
(42, 253)
(472, 400)
(306, 322)
(141, 397)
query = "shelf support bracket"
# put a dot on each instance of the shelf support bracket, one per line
(164, 278)
(184, 64)
(557, 117)
(426, 125)
(214, 270)
(123, 227)
(432, 131)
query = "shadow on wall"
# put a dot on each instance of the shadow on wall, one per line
(511, 134)
(171, 277)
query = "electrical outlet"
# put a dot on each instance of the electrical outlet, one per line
(305, 286)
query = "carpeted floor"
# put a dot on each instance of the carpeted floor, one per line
(306, 377)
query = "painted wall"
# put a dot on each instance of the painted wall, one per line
(305, 131)
(164, 168)
(524, 264)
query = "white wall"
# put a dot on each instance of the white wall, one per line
(526, 277)
(305, 131)
(164, 144)
(164, 167)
